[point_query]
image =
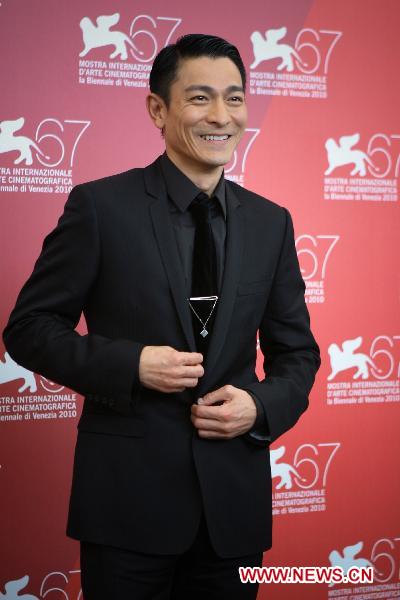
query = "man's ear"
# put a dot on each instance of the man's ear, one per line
(157, 110)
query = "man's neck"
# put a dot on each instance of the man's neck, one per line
(206, 180)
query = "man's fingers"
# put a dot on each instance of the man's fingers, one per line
(226, 392)
(209, 425)
(210, 401)
(188, 382)
(169, 370)
(190, 358)
(214, 435)
(188, 371)
(208, 412)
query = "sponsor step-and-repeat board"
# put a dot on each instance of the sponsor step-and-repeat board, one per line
(323, 139)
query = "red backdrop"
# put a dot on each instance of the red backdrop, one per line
(324, 141)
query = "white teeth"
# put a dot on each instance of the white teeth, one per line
(215, 137)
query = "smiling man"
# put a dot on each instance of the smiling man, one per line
(175, 269)
(203, 116)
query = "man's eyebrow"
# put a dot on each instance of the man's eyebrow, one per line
(209, 90)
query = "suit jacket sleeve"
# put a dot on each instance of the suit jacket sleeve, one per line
(40, 334)
(260, 430)
(291, 354)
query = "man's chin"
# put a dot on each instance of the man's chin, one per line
(218, 161)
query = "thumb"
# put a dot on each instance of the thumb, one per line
(212, 397)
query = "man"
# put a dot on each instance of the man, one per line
(175, 269)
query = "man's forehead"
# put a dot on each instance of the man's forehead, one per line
(190, 69)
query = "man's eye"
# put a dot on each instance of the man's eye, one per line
(236, 99)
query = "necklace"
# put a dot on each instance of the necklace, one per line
(204, 331)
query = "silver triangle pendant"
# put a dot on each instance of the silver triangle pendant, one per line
(204, 332)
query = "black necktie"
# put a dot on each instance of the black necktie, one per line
(204, 269)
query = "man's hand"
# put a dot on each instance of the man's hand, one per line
(167, 370)
(233, 417)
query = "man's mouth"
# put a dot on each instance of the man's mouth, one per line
(216, 138)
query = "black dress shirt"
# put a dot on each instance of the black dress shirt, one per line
(181, 191)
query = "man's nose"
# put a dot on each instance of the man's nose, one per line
(218, 112)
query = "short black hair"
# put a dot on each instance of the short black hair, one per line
(192, 45)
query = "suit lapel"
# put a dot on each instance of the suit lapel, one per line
(165, 237)
(170, 256)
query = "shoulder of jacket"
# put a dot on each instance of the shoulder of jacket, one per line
(112, 181)
(256, 201)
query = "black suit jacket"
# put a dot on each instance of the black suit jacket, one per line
(141, 473)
